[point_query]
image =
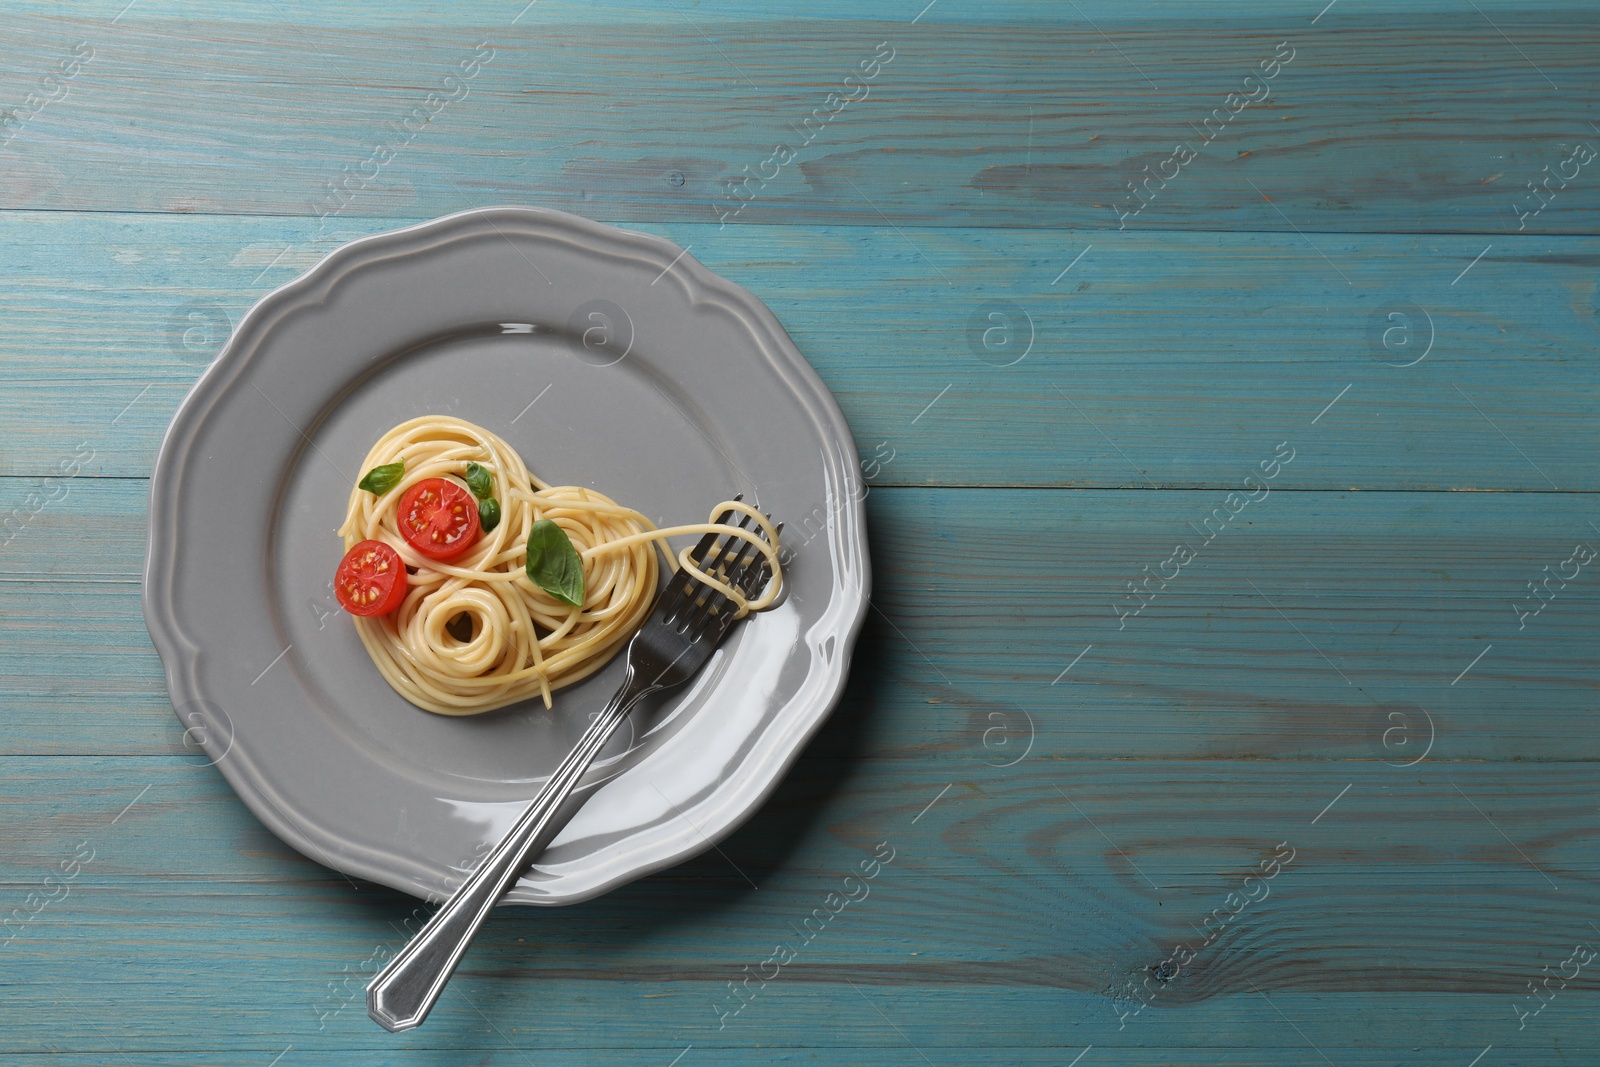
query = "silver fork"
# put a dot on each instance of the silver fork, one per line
(689, 621)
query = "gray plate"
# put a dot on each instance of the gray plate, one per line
(608, 359)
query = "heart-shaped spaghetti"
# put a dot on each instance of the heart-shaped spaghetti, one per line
(475, 632)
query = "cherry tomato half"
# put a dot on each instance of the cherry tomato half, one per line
(371, 579)
(438, 518)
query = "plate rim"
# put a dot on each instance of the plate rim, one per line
(179, 653)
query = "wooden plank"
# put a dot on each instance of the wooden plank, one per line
(754, 18)
(502, 1056)
(1165, 359)
(1043, 116)
(1102, 868)
(1313, 626)
(505, 1054)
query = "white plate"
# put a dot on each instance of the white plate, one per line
(606, 358)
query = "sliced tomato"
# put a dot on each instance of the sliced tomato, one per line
(371, 579)
(438, 518)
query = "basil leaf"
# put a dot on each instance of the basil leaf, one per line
(488, 513)
(380, 480)
(480, 481)
(553, 563)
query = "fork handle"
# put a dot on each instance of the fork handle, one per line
(402, 994)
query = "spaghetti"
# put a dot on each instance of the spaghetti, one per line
(476, 633)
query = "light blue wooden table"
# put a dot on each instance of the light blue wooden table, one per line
(1228, 375)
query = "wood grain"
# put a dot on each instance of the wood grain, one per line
(1384, 119)
(1020, 900)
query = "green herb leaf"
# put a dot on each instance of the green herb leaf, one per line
(488, 513)
(553, 563)
(380, 480)
(480, 481)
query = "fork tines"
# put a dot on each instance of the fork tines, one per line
(690, 604)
